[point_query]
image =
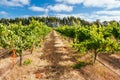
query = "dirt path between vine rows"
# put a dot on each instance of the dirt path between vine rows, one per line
(60, 60)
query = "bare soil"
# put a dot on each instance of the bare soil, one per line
(54, 61)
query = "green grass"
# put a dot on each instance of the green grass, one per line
(80, 64)
(27, 62)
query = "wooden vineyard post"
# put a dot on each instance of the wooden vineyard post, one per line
(32, 49)
(13, 56)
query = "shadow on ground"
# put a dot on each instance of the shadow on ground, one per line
(54, 55)
(112, 61)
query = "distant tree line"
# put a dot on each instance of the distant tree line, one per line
(53, 21)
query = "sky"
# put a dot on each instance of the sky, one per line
(89, 10)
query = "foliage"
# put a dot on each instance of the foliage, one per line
(80, 64)
(19, 37)
(27, 62)
(95, 38)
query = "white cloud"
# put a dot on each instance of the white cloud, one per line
(3, 13)
(55, 8)
(61, 8)
(111, 12)
(38, 9)
(108, 4)
(25, 16)
(14, 2)
(91, 17)
(107, 15)
(70, 1)
(109, 18)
